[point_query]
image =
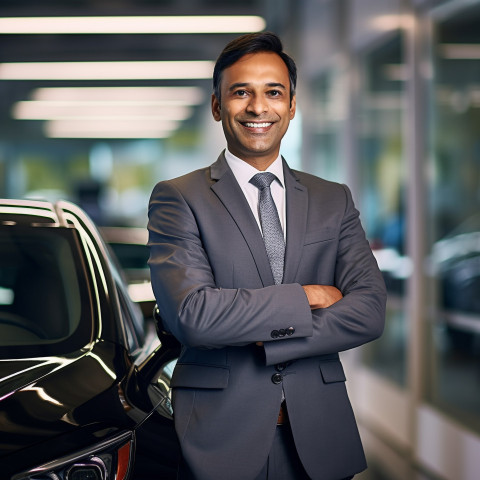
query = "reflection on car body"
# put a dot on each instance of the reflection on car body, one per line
(84, 382)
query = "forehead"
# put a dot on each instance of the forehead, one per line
(256, 68)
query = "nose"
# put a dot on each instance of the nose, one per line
(257, 105)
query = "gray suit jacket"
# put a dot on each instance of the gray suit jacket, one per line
(216, 294)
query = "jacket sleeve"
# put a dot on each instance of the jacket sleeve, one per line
(193, 308)
(359, 316)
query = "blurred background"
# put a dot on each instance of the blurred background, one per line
(100, 99)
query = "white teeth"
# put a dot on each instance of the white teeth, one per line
(258, 125)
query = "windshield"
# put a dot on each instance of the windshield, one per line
(41, 287)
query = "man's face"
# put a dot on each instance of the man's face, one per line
(255, 108)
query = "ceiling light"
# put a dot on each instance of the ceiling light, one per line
(116, 124)
(124, 135)
(116, 128)
(106, 70)
(40, 110)
(132, 25)
(169, 95)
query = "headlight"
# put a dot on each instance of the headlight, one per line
(109, 460)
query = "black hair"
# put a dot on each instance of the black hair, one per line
(252, 43)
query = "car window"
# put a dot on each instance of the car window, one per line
(42, 288)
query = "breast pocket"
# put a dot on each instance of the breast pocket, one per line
(324, 234)
(319, 253)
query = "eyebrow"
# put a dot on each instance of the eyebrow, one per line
(270, 85)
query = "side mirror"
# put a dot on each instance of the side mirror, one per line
(155, 372)
(153, 377)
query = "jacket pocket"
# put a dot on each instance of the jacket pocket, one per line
(320, 235)
(189, 375)
(332, 371)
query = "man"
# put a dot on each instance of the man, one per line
(259, 390)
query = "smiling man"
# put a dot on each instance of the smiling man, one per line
(255, 105)
(264, 275)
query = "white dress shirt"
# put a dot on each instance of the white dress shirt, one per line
(243, 172)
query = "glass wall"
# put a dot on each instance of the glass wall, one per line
(412, 129)
(328, 112)
(454, 217)
(381, 190)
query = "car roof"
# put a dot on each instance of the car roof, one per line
(40, 212)
(60, 214)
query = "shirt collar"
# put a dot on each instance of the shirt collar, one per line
(244, 172)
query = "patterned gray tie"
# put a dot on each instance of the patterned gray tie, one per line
(271, 226)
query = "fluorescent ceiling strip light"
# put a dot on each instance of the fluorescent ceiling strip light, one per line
(132, 25)
(111, 129)
(70, 125)
(106, 70)
(460, 51)
(180, 95)
(40, 110)
(113, 135)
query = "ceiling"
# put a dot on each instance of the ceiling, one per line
(114, 47)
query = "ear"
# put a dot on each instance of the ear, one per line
(216, 108)
(293, 107)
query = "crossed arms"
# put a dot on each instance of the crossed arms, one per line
(326, 318)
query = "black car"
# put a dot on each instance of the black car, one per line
(129, 245)
(84, 380)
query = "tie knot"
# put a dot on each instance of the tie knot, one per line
(262, 180)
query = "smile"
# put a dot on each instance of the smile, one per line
(257, 125)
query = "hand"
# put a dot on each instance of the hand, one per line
(322, 296)
(319, 296)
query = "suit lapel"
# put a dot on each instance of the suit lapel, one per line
(230, 194)
(297, 208)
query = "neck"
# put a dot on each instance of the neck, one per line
(259, 164)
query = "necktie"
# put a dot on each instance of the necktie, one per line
(270, 222)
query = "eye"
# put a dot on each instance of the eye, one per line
(240, 93)
(275, 93)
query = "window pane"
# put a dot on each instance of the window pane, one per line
(328, 110)
(454, 218)
(381, 187)
(42, 291)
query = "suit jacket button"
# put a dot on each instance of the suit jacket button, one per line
(282, 332)
(274, 334)
(276, 378)
(290, 331)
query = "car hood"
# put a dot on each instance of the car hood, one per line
(44, 398)
(15, 374)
